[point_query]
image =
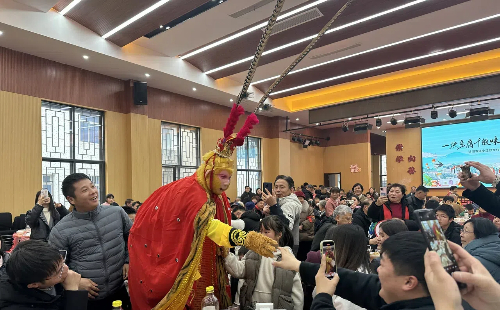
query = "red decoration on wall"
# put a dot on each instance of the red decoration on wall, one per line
(399, 148)
(400, 159)
(411, 170)
(412, 158)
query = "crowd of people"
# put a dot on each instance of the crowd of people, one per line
(79, 258)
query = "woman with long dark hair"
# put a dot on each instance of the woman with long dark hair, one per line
(350, 253)
(44, 216)
(260, 281)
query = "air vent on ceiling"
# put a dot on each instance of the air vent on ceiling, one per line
(250, 8)
(336, 51)
(296, 20)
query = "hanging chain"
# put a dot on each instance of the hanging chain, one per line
(302, 55)
(260, 49)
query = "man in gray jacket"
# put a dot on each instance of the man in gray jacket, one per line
(95, 238)
(285, 204)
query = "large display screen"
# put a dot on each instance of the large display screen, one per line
(445, 148)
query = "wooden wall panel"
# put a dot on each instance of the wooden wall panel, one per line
(34, 76)
(398, 172)
(270, 159)
(338, 159)
(20, 152)
(306, 165)
(118, 156)
(154, 154)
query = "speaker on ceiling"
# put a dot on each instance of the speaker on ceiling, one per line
(140, 93)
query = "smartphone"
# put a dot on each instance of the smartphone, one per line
(436, 240)
(45, 193)
(466, 171)
(327, 247)
(268, 186)
(383, 191)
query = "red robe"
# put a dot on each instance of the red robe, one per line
(160, 241)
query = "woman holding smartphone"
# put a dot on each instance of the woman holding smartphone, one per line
(44, 216)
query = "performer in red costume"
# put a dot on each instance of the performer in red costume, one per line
(178, 239)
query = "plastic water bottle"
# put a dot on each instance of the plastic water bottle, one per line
(210, 302)
(117, 305)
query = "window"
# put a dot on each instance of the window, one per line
(383, 170)
(180, 151)
(72, 141)
(249, 165)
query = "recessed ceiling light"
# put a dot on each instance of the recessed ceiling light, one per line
(309, 38)
(388, 65)
(85, 57)
(231, 100)
(147, 75)
(69, 7)
(317, 124)
(444, 119)
(256, 27)
(194, 88)
(135, 18)
(350, 118)
(297, 119)
(161, 26)
(382, 47)
(1, 32)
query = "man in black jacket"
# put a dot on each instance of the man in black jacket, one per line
(400, 284)
(417, 200)
(38, 278)
(361, 218)
(477, 192)
(445, 215)
(247, 195)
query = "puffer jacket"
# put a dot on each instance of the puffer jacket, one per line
(291, 207)
(96, 242)
(307, 222)
(487, 251)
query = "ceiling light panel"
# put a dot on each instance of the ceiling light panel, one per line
(388, 65)
(69, 7)
(256, 27)
(383, 47)
(135, 18)
(309, 38)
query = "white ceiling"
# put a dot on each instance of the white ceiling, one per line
(52, 36)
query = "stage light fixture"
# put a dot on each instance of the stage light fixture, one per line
(363, 127)
(480, 114)
(452, 113)
(434, 114)
(345, 127)
(394, 121)
(294, 139)
(414, 121)
(378, 123)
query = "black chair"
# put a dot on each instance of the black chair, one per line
(19, 222)
(7, 242)
(5, 221)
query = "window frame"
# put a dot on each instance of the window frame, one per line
(382, 175)
(72, 161)
(247, 164)
(177, 168)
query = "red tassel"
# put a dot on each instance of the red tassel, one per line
(236, 111)
(245, 130)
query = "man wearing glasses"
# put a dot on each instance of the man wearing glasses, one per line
(38, 278)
